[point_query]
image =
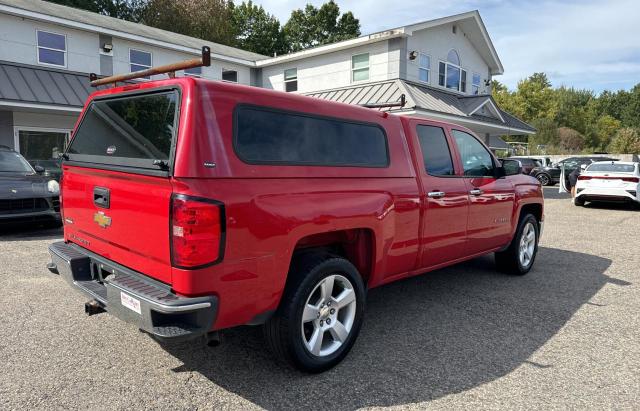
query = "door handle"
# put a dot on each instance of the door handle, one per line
(476, 192)
(436, 194)
(101, 197)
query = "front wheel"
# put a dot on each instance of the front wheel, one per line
(320, 314)
(519, 257)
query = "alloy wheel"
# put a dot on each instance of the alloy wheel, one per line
(328, 316)
(543, 179)
(527, 244)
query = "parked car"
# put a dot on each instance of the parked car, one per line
(26, 195)
(550, 175)
(544, 161)
(527, 164)
(613, 181)
(192, 206)
(51, 167)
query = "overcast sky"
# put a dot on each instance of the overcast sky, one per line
(586, 44)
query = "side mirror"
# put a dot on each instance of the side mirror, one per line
(39, 169)
(511, 167)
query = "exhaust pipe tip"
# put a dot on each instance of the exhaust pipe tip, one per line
(93, 307)
(53, 268)
(213, 339)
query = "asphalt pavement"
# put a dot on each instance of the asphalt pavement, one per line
(466, 337)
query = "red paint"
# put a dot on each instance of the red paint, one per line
(381, 217)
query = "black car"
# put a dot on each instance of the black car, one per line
(527, 164)
(51, 167)
(26, 194)
(550, 175)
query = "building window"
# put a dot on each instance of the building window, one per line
(475, 85)
(230, 75)
(52, 48)
(360, 67)
(139, 60)
(193, 72)
(451, 75)
(291, 80)
(424, 68)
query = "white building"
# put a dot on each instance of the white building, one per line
(443, 68)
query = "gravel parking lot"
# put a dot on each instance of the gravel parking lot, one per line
(466, 337)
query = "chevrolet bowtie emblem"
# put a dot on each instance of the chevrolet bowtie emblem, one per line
(14, 191)
(101, 219)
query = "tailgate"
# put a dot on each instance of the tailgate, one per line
(133, 230)
(116, 186)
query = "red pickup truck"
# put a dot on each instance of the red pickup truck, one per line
(191, 206)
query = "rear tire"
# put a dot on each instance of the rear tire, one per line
(521, 254)
(578, 202)
(320, 313)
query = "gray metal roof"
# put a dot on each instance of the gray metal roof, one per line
(420, 97)
(27, 84)
(110, 23)
(497, 142)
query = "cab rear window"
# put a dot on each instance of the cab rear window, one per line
(136, 130)
(268, 136)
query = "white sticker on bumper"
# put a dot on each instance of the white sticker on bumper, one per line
(130, 302)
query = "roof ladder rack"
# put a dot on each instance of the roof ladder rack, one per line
(170, 69)
(401, 103)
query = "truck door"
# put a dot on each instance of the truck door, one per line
(445, 202)
(491, 199)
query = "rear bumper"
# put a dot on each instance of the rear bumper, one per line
(606, 194)
(133, 297)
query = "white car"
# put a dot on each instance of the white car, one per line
(617, 181)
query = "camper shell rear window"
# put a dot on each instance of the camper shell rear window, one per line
(268, 136)
(134, 130)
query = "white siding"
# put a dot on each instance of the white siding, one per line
(162, 56)
(436, 42)
(329, 70)
(18, 43)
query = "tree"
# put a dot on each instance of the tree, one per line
(546, 135)
(534, 98)
(210, 20)
(570, 140)
(313, 27)
(257, 30)
(626, 141)
(604, 129)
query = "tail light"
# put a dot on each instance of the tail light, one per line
(626, 179)
(197, 232)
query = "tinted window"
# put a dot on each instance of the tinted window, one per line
(435, 151)
(136, 127)
(12, 162)
(476, 160)
(267, 136)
